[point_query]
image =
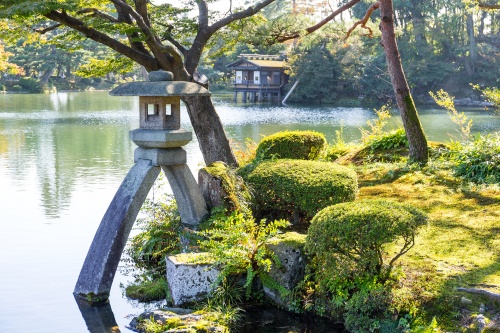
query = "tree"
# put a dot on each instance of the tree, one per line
(5, 65)
(166, 37)
(319, 73)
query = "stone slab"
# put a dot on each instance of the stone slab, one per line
(190, 277)
(160, 88)
(159, 157)
(150, 138)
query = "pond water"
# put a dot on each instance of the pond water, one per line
(63, 156)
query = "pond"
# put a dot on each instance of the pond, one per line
(63, 156)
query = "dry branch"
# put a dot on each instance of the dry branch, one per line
(364, 20)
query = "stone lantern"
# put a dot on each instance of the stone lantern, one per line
(159, 139)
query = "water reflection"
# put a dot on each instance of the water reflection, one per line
(99, 319)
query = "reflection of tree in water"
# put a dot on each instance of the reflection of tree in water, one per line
(77, 153)
(67, 141)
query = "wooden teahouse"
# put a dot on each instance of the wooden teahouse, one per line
(259, 77)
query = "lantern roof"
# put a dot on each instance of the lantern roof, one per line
(160, 84)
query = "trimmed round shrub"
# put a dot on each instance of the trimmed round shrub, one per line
(346, 241)
(293, 187)
(301, 145)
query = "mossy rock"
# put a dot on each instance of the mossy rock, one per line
(221, 186)
(298, 187)
(302, 145)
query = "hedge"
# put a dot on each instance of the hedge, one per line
(300, 187)
(303, 145)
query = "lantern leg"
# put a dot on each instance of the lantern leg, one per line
(99, 268)
(190, 202)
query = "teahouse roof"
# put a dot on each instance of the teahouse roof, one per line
(258, 62)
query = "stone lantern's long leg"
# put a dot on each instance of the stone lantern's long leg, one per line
(99, 268)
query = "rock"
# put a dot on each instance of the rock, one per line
(211, 187)
(190, 277)
(160, 75)
(481, 322)
(289, 248)
(178, 320)
(482, 308)
(465, 300)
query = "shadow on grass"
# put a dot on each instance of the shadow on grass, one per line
(453, 308)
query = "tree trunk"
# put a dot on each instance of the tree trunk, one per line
(419, 27)
(411, 122)
(212, 139)
(472, 58)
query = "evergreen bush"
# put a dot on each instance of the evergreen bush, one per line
(31, 85)
(346, 242)
(291, 187)
(303, 145)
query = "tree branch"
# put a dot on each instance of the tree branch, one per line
(239, 15)
(43, 31)
(320, 24)
(364, 20)
(167, 55)
(97, 13)
(64, 19)
(142, 9)
(202, 14)
(487, 6)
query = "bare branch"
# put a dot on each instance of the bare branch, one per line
(320, 24)
(364, 20)
(97, 13)
(42, 31)
(239, 15)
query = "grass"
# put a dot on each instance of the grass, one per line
(461, 245)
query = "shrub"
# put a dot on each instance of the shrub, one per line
(85, 81)
(303, 145)
(478, 161)
(17, 88)
(391, 140)
(237, 243)
(160, 236)
(31, 85)
(347, 242)
(297, 187)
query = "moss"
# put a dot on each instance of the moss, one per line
(293, 239)
(148, 290)
(304, 145)
(202, 258)
(237, 194)
(95, 299)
